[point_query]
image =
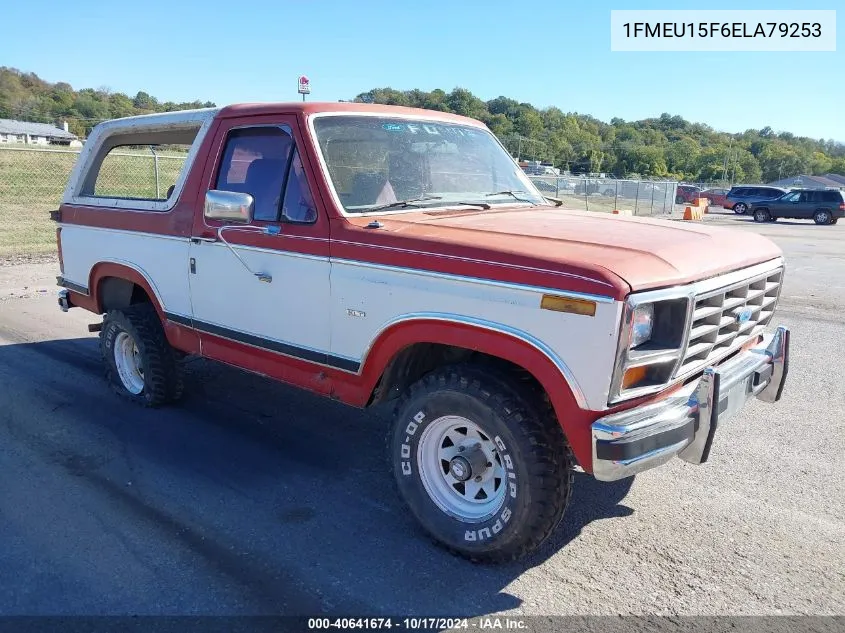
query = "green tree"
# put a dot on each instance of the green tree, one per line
(837, 166)
(682, 157)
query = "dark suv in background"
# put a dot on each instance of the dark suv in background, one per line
(739, 198)
(823, 206)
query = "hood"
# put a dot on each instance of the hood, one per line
(645, 253)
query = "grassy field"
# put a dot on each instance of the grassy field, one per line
(32, 183)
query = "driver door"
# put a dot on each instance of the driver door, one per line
(786, 206)
(260, 291)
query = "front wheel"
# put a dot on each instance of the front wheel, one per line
(481, 462)
(762, 215)
(740, 208)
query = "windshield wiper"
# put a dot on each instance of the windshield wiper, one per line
(512, 193)
(410, 202)
(483, 205)
(558, 202)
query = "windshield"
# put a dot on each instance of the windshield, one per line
(380, 163)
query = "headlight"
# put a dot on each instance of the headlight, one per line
(642, 324)
(650, 344)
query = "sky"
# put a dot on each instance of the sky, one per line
(543, 53)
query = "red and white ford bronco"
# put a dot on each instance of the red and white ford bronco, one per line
(371, 253)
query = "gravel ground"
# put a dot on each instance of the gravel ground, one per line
(254, 498)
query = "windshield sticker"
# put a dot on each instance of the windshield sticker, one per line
(432, 129)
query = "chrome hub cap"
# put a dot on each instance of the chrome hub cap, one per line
(461, 468)
(127, 359)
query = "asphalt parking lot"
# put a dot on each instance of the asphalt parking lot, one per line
(254, 498)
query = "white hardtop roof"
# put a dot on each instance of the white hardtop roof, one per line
(160, 119)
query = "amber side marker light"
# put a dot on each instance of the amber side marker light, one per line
(634, 376)
(566, 304)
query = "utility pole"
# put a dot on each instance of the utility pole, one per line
(727, 154)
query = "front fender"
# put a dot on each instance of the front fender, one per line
(497, 340)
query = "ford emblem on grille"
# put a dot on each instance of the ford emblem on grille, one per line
(743, 314)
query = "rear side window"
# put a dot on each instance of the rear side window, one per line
(831, 196)
(139, 172)
(141, 165)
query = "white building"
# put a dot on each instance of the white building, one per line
(12, 132)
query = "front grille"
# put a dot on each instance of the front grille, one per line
(716, 330)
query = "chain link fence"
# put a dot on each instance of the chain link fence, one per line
(32, 182)
(640, 197)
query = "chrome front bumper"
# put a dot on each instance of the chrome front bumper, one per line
(685, 423)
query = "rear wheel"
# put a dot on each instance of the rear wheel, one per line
(822, 216)
(140, 364)
(740, 208)
(481, 462)
(762, 215)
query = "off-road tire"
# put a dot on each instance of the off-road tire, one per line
(163, 381)
(521, 419)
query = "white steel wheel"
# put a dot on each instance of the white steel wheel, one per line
(461, 469)
(127, 360)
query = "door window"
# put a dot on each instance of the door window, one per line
(264, 162)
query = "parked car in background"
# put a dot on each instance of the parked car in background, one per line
(685, 194)
(716, 197)
(590, 185)
(823, 206)
(740, 197)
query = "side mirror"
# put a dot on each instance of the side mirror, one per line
(229, 206)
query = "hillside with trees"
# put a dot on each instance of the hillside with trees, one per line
(27, 97)
(667, 146)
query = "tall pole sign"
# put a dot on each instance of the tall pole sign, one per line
(304, 86)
